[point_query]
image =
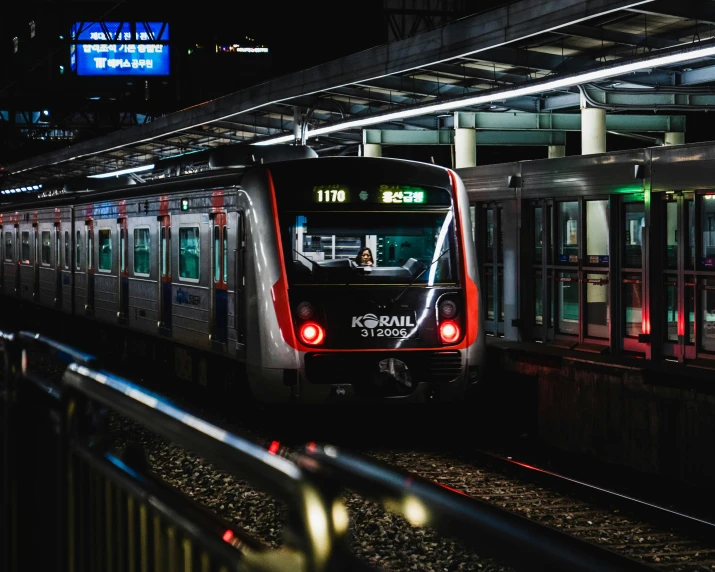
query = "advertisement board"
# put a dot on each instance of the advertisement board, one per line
(120, 48)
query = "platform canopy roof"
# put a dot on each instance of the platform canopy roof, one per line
(530, 56)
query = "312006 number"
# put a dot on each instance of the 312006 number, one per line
(384, 333)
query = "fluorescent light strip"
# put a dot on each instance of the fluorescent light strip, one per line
(506, 94)
(123, 172)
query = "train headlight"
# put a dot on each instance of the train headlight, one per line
(312, 334)
(447, 309)
(449, 332)
(305, 310)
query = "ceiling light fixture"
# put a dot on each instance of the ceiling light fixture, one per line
(531, 89)
(122, 172)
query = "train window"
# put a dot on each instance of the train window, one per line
(635, 222)
(707, 300)
(596, 230)
(67, 249)
(671, 234)
(8, 246)
(707, 226)
(567, 294)
(164, 249)
(633, 302)
(167, 252)
(225, 256)
(217, 253)
(90, 249)
(671, 308)
(568, 229)
(78, 254)
(122, 251)
(142, 251)
(25, 247)
(58, 247)
(189, 253)
(490, 236)
(46, 248)
(538, 234)
(105, 250)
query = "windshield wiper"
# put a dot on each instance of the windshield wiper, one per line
(312, 262)
(396, 298)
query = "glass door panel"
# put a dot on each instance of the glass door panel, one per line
(567, 299)
(597, 307)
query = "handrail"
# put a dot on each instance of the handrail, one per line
(308, 482)
(522, 542)
(275, 474)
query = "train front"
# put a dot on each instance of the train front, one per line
(381, 280)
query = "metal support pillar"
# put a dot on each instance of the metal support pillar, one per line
(465, 148)
(556, 151)
(593, 130)
(674, 138)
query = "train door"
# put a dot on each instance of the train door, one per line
(218, 322)
(46, 268)
(239, 273)
(490, 254)
(164, 281)
(123, 273)
(57, 248)
(67, 263)
(634, 312)
(4, 256)
(89, 248)
(18, 255)
(36, 262)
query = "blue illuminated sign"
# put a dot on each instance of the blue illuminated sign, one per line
(120, 48)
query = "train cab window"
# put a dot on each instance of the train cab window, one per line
(568, 231)
(25, 247)
(407, 247)
(8, 246)
(225, 256)
(68, 250)
(189, 254)
(46, 248)
(142, 251)
(217, 253)
(105, 250)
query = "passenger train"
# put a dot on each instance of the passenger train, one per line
(256, 260)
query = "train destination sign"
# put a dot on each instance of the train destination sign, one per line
(380, 194)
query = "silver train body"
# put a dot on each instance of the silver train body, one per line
(204, 262)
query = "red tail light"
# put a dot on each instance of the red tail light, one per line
(312, 334)
(449, 332)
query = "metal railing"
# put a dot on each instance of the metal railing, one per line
(71, 504)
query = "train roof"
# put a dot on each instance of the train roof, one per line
(224, 170)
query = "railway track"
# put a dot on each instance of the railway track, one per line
(656, 536)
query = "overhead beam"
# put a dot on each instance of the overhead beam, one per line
(624, 38)
(468, 36)
(446, 137)
(703, 12)
(566, 122)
